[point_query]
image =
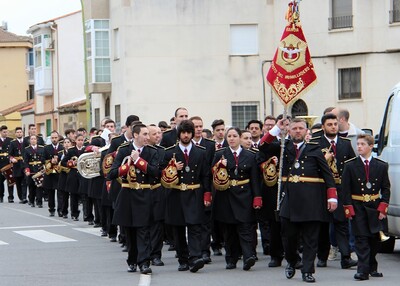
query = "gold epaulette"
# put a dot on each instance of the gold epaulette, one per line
(350, 160)
(60, 151)
(220, 149)
(151, 146)
(160, 147)
(170, 147)
(113, 138)
(211, 140)
(316, 137)
(345, 138)
(123, 145)
(312, 143)
(199, 146)
(40, 146)
(27, 147)
(254, 150)
(166, 131)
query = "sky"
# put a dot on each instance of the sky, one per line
(21, 14)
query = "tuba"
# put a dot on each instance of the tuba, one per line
(89, 164)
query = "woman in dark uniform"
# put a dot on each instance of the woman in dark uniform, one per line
(62, 179)
(236, 198)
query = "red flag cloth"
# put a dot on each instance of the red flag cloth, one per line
(292, 72)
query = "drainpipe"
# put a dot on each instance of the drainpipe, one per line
(54, 29)
(264, 95)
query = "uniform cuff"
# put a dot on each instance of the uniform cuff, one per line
(141, 164)
(207, 197)
(123, 170)
(257, 202)
(349, 211)
(383, 208)
(331, 193)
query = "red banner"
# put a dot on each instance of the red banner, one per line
(292, 72)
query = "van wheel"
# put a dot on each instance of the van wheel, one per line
(387, 246)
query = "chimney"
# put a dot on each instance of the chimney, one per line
(4, 25)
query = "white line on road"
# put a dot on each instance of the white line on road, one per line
(3, 243)
(144, 280)
(38, 215)
(44, 236)
(94, 231)
(32, 226)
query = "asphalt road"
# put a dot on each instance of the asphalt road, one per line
(36, 249)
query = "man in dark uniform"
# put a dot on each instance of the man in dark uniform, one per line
(33, 163)
(133, 207)
(158, 201)
(52, 157)
(17, 159)
(366, 188)
(337, 150)
(4, 161)
(187, 195)
(169, 137)
(209, 144)
(304, 204)
(32, 131)
(218, 129)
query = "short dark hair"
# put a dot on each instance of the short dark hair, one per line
(81, 129)
(163, 124)
(137, 127)
(68, 131)
(280, 116)
(237, 129)
(130, 119)
(256, 122)
(18, 128)
(3, 127)
(93, 130)
(328, 116)
(328, 110)
(270, 117)
(31, 125)
(344, 113)
(54, 131)
(185, 126)
(179, 108)
(195, 118)
(216, 123)
(316, 126)
(208, 132)
(109, 121)
(298, 120)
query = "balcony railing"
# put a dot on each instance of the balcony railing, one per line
(394, 16)
(340, 22)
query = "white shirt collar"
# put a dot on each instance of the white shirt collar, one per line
(188, 148)
(237, 151)
(334, 139)
(363, 159)
(198, 142)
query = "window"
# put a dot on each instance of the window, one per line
(244, 40)
(31, 92)
(38, 57)
(117, 116)
(116, 44)
(394, 13)
(341, 14)
(349, 83)
(97, 117)
(48, 127)
(98, 50)
(243, 112)
(107, 107)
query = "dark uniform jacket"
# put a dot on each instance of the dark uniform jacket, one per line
(133, 207)
(169, 138)
(4, 151)
(235, 205)
(16, 151)
(26, 142)
(303, 201)
(158, 193)
(51, 180)
(365, 213)
(33, 160)
(187, 207)
(62, 178)
(73, 177)
(344, 152)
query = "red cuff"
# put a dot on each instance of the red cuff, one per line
(27, 170)
(349, 211)
(89, 148)
(141, 164)
(383, 208)
(331, 193)
(70, 163)
(123, 170)
(207, 197)
(267, 138)
(257, 202)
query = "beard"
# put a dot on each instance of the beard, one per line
(330, 135)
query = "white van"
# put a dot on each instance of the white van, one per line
(388, 149)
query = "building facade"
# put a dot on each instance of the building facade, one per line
(59, 73)
(150, 57)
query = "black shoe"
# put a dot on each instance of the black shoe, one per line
(132, 267)
(11, 201)
(348, 263)
(361, 276)
(196, 265)
(1, 200)
(113, 239)
(75, 218)
(298, 264)
(65, 216)
(40, 206)
(144, 269)
(321, 263)
(290, 270)
(206, 258)
(60, 214)
(96, 225)
(32, 205)
(217, 252)
(171, 248)
(52, 214)
(125, 249)
(275, 262)
(90, 222)
(183, 267)
(230, 265)
(157, 262)
(249, 263)
(307, 277)
(376, 274)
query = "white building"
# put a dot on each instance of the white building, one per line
(150, 57)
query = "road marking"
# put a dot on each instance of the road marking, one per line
(32, 226)
(44, 236)
(144, 280)
(94, 231)
(41, 216)
(3, 243)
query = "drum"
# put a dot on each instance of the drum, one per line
(7, 172)
(38, 178)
